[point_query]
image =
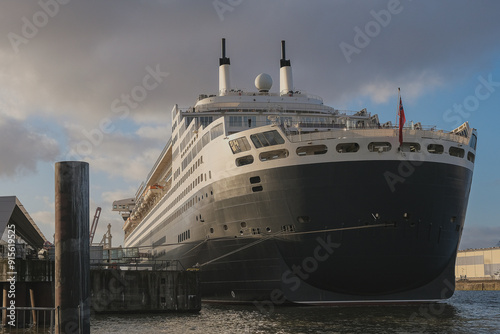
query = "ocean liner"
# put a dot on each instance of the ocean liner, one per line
(278, 198)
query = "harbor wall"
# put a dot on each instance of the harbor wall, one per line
(490, 285)
(111, 290)
(115, 290)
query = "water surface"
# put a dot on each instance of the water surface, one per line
(465, 312)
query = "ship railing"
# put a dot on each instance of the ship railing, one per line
(28, 320)
(342, 132)
(138, 264)
(222, 107)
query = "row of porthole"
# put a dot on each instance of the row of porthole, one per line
(352, 148)
(243, 225)
(199, 199)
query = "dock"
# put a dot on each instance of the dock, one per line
(477, 285)
(121, 280)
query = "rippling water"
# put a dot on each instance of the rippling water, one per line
(465, 312)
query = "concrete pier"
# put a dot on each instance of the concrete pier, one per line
(478, 285)
(135, 291)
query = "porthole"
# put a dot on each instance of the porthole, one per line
(471, 157)
(379, 147)
(347, 147)
(311, 150)
(272, 155)
(211, 230)
(257, 189)
(303, 219)
(435, 148)
(243, 224)
(242, 161)
(456, 152)
(254, 179)
(225, 227)
(410, 147)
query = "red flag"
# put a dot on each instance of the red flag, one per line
(402, 121)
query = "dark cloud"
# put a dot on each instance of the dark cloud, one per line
(92, 52)
(23, 147)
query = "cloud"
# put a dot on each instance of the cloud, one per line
(160, 133)
(414, 85)
(22, 147)
(117, 154)
(480, 237)
(92, 53)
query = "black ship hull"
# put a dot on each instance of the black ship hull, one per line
(340, 232)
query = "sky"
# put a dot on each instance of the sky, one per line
(96, 81)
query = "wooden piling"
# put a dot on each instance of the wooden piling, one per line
(32, 302)
(4, 304)
(72, 265)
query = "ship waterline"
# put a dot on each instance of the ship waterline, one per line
(274, 196)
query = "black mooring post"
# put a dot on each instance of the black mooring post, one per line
(72, 277)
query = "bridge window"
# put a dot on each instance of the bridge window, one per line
(239, 145)
(235, 121)
(206, 120)
(250, 121)
(268, 138)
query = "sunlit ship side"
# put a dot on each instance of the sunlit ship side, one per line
(277, 198)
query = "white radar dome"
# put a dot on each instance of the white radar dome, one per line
(263, 82)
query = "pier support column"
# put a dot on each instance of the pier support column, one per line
(5, 304)
(32, 302)
(72, 271)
